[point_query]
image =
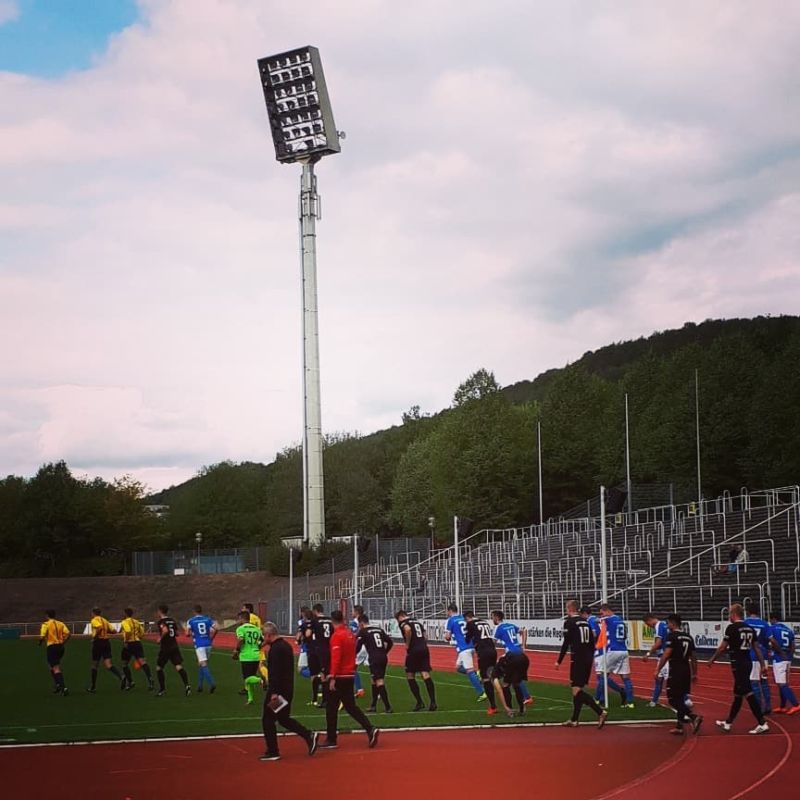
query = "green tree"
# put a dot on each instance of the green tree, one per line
(479, 385)
(412, 491)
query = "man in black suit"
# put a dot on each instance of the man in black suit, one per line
(278, 702)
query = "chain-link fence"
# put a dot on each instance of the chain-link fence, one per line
(199, 561)
(368, 561)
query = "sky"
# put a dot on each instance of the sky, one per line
(520, 183)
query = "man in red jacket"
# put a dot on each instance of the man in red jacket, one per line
(341, 677)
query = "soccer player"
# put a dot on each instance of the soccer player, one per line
(579, 640)
(758, 677)
(660, 632)
(377, 644)
(340, 671)
(262, 661)
(304, 659)
(679, 652)
(601, 639)
(418, 659)
(248, 652)
(102, 630)
(456, 630)
(321, 632)
(513, 640)
(54, 634)
(738, 640)
(510, 670)
(202, 629)
(132, 631)
(168, 651)
(617, 660)
(278, 703)
(479, 635)
(783, 644)
(361, 654)
(306, 632)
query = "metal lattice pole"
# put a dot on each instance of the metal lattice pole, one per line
(313, 483)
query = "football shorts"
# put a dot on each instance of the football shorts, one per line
(780, 669)
(466, 660)
(202, 653)
(618, 662)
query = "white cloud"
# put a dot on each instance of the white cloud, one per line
(518, 185)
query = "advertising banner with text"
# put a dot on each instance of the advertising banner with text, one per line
(548, 633)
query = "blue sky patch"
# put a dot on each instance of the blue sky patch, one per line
(51, 37)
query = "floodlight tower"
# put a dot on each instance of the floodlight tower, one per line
(303, 131)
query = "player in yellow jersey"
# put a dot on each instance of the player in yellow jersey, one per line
(262, 662)
(132, 631)
(102, 630)
(54, 634)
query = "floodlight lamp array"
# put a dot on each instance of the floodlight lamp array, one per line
(298, 106)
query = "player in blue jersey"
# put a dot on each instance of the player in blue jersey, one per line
(758, 677)
(617, 660)
(514, 640)
(202, 629)
(361, 656)
(456, 631)
(783, 644)
(303, 660)
(599, 660)
(660, 632)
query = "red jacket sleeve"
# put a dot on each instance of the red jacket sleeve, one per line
(336, 651)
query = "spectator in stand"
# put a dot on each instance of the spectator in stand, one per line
(729, 565)
(742, 558)
(737, 555)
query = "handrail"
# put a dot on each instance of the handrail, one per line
(508, 548)
(784, 611)
(742, 533)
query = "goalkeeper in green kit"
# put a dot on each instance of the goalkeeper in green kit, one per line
(249, 640)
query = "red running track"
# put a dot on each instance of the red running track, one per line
(625, 762)
(500, 762)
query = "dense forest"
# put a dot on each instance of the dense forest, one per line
(476, 458)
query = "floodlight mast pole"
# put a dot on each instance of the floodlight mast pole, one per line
(313, 482)
(303, 130)
(604, 586)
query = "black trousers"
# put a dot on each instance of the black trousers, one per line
(343, 693)
(269, 719)
(679, 685)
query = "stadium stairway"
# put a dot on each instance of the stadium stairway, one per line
(662, 559)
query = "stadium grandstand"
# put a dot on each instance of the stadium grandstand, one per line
(664, 557)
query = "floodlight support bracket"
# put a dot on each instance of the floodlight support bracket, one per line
(313, 483)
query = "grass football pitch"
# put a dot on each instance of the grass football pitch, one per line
(32, 713)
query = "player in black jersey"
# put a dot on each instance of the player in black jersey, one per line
(507, 674)
(321, 632)
(679, 653)
(740, 642)
(169, 651)
(306, 630)
(377, 643)
(479, 635)
(579, 640)
(418, 659)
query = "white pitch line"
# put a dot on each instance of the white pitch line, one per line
(234, 719)
(384, 732)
